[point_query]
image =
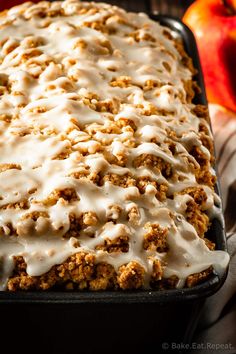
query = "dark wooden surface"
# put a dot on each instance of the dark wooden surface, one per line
(170, 7)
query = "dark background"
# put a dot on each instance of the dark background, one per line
(170, 7)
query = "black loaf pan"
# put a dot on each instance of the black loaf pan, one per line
(112, 322)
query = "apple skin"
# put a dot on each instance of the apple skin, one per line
(214, 26)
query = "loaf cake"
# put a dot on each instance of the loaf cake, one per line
(106, 163)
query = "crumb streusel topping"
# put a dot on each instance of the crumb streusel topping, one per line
(103, 153)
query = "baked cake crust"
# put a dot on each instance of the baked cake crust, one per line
(106, 177)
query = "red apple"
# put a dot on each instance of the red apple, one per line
(213, 23)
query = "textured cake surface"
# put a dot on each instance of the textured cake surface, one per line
(106, 177)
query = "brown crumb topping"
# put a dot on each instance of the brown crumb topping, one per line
(152, 161)
(198, 278)
(155, 238)
(131, 276)
(119, 244)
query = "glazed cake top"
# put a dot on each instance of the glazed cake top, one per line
(96, 119)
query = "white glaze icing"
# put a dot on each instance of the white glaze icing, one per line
(48, 98)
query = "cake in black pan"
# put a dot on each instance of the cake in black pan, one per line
(106, 164)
